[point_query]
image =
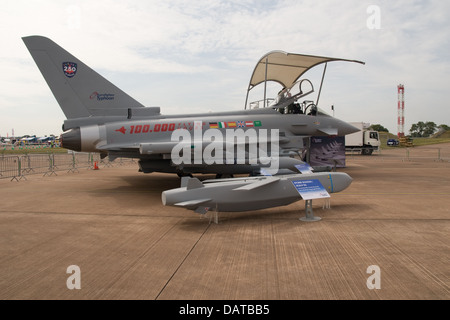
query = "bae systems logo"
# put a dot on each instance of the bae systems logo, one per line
(70, 69)
(101, 96)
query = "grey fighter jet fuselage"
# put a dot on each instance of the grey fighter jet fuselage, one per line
(150, 139)
(102, 118)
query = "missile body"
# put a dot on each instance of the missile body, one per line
(247, 194)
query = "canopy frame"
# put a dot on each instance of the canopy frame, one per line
(286, 69)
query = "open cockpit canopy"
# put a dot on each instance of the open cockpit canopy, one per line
(285, 68)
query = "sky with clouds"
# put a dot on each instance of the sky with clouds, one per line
(191, 56)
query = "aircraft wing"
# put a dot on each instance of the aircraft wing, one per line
(142, 148)
(118, 147)
(167, 146)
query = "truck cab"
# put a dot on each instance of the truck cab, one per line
(372, 142)
(365, 141)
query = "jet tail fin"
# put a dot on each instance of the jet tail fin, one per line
(80, 91)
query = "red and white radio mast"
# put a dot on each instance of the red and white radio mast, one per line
(401, 110)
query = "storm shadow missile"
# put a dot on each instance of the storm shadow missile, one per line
(248, 194)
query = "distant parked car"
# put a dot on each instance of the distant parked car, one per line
(392, 142)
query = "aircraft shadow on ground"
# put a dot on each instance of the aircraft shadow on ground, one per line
(145, 189)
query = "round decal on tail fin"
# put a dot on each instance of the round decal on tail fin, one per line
(70, 69)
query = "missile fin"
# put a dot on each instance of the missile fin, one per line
(191, 203)
(184, 182)
(194, 183)
(202, 210)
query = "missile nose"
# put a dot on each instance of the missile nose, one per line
(163, 198)
(341, 181)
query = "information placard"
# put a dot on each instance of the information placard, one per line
(311, 189)
(304, 168)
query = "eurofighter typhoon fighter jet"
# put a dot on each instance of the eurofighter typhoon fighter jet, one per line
(102, 118)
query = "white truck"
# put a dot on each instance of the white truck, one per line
(365, 141)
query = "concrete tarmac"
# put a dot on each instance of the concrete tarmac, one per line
(112, 225)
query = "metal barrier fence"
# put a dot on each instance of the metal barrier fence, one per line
(10, 167)
(435, 154)
(432, 154)
(18, 167)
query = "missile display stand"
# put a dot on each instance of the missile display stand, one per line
(214, 215)
(309, 213)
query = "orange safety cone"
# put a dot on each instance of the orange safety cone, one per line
(96, 166)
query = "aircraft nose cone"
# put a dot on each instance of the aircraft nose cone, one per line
(346, 128)
(71, 139)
